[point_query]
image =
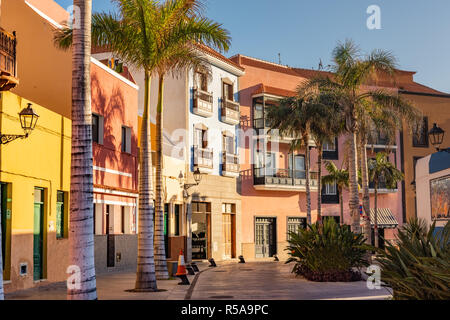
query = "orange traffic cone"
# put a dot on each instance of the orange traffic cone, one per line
(181, 270)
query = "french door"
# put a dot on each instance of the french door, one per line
(265, 237)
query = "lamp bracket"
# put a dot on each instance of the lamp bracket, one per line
(7, 138)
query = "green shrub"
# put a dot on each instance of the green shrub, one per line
(417, 266)
(326, 253)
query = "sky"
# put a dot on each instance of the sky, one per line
(305, 31)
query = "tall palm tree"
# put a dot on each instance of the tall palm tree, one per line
(339, 177)
(381, 170)
(182, 28)
(81, 220)
(351, 71)
(325, 126)
(293, 117)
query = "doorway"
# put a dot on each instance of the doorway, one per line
(110, 241)
(201, 230)
(38, 234)
(380, 237)
(265, 237)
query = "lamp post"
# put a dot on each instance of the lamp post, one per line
(187, 186)
(436, 136)
(28, 119)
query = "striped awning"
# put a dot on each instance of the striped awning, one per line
(385, 218)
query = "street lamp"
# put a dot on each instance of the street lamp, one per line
(436, 136)
(186, 186)
(28, 119)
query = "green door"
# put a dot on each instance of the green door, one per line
(38, 233)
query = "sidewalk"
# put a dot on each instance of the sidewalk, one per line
(110, 286)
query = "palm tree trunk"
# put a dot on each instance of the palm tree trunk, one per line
(354, 196)
(341, 205)
(375, 224)
(81, 237)
(160, 249)
(1, 259)
(145, 274)
(365, 185)
(308, 192)
(319, 185)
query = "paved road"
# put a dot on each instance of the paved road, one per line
(273, 280)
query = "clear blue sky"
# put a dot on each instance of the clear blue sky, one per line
(304, 31)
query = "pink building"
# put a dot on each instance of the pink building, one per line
(273, 178)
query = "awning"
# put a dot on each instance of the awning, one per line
(385, 218)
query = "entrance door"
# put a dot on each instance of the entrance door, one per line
(380, 237)
(265, 237)
(110, 240)
(3, 221)
(38, 234)
(227, 235)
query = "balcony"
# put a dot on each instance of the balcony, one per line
(8, 72)
(283, 179)
(203, 103)
(380, 142)
(230, 112)
(382, 188)
(230, 164)
(203, 159)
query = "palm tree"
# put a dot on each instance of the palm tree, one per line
(382, 171)
(81, 238)
(177, 51)
(325, 126)
(293, 117)
(339, 177)
(351, 71)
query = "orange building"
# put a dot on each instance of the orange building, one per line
(273, 177)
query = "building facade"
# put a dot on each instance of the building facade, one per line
(433, 188)
(114, 107)
(200, 124)
(273, 176)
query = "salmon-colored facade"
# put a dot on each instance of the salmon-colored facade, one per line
(274, 196)
(45, 80)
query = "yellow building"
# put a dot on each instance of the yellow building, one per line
(35, 184)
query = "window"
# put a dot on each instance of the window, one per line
(228, 91)
(61, 218)
(97, 128)
(228, 208)
(122, 219)
(126, 139)
(420, 135)
(176, 217)
(201, 80)
(294, 225)
(329, 146)
(330, 150)
(330, 194)
(228, 144)
(201, 138)
(330, 189)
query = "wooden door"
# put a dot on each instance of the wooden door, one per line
(227, 236)
(38, 237)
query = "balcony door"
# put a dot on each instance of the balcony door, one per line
(270, 164)
(298, 167)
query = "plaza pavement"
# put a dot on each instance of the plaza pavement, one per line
(262, 280)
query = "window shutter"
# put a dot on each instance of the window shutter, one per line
(101, 122)
(205, 139)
